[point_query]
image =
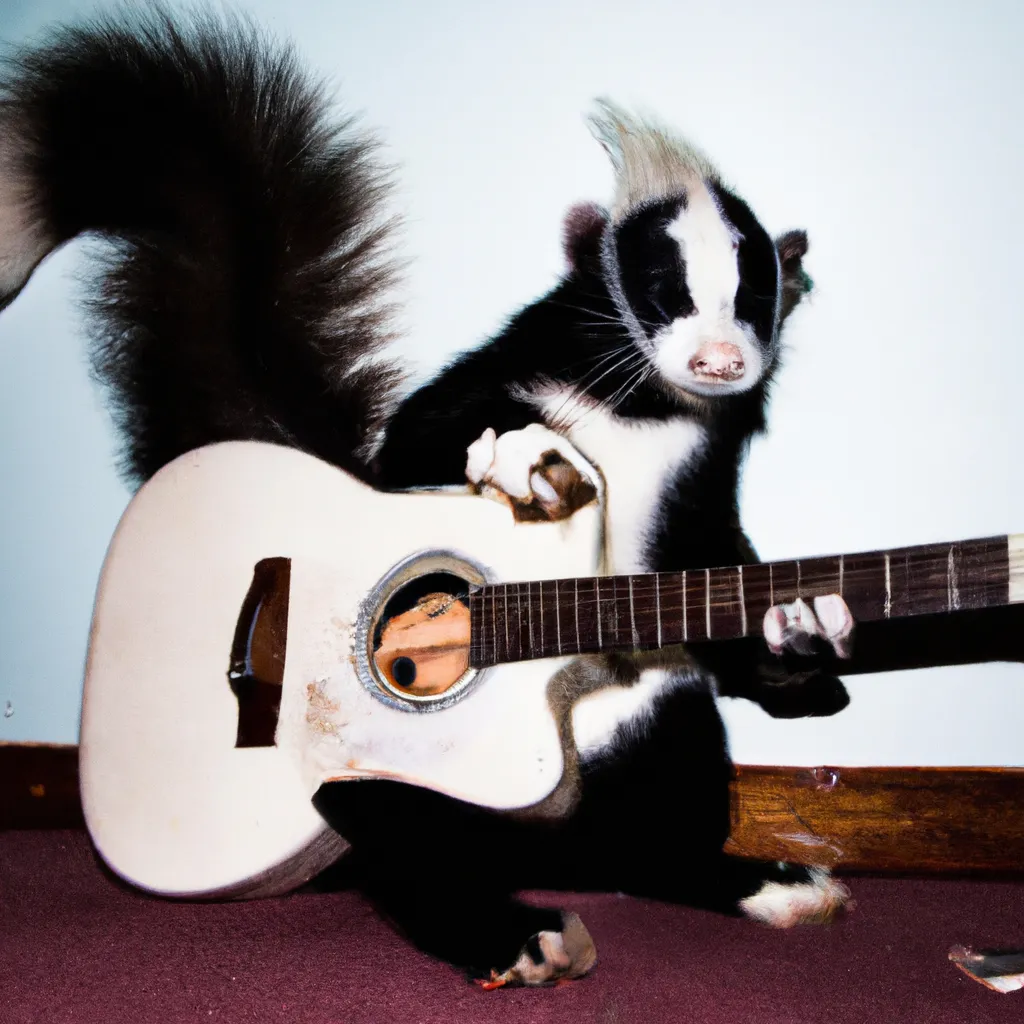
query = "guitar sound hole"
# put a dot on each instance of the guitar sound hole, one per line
(421, 638)
(403, 670)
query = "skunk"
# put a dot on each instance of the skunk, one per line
(245, 292)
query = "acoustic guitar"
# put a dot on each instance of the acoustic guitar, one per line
(265, 623)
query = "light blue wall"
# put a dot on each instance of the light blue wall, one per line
(890, 130)
(60, 497)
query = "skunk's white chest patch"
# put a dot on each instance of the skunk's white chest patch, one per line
(638, 459)
(596, 716)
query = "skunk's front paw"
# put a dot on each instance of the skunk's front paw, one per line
(537, 471)
(793, 627)
(550, 957)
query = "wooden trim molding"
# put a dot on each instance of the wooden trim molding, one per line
(893, 820)
(916, 820)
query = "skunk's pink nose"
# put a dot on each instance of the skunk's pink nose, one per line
(719, 359)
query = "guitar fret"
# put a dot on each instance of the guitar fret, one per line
(888, 586)
(504, 589)
(540, 598)
(615, 609)
(707, 602)
(952, 581)
(558, 619)
(475, 631)
(686, 631)
(519, 620)
(483, 627)
(597, 602)
(529, 617)
(632, 615)
(494, 622)
(576, 605)
(521, 639)
(510, 625)
(657, 606)
(743, 600)
(525, 640)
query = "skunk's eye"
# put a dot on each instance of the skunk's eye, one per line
(659, 292)
(662, 316)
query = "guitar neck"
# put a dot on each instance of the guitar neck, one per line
(521, 621)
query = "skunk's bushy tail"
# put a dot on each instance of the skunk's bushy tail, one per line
(248, 278)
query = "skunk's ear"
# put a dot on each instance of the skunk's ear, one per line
(582, 230)
(796, 283)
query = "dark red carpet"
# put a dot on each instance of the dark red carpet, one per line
(76, 947)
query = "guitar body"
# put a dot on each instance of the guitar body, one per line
(265, 623)
(177, 800)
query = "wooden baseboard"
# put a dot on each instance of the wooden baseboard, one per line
(898, 820)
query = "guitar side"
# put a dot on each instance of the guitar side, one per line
(172, 804)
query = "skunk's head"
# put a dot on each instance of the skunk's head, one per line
(696, 279)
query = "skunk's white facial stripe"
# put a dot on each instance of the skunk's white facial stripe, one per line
(709, 246)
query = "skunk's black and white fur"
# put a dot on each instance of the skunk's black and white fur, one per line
(245, 293)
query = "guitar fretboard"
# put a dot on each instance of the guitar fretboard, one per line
(522, 621)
